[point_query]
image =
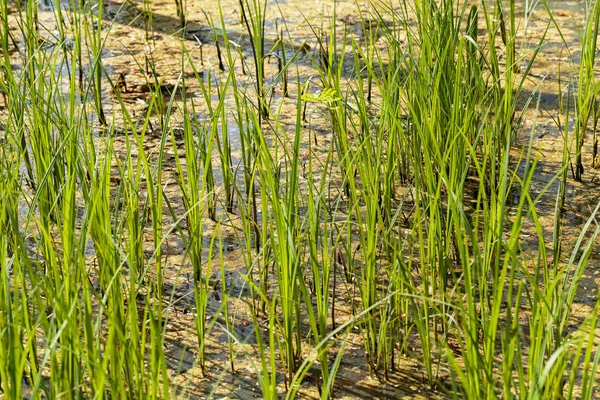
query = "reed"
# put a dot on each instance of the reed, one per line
(587, 85)
(400, 226)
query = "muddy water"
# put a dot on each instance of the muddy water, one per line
(556, 66)
(131, 42)
(127, 50)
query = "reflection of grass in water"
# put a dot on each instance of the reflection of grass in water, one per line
(375, 224)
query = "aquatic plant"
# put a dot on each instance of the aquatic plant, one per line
(396, 226)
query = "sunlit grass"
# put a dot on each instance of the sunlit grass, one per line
(400, 214)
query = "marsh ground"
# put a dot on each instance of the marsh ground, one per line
(138, 38)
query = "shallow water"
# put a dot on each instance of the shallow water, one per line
(127, 51)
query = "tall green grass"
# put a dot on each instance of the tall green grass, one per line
(587, 85)
(394, 229)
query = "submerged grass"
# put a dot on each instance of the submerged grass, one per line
(395, 224)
